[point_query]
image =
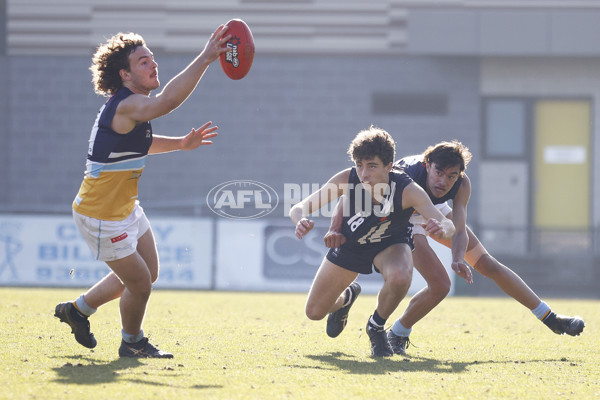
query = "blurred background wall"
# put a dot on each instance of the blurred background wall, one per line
(516, 81)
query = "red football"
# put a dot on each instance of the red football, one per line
(237, 61)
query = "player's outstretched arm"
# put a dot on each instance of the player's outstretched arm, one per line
(179, 88)
(332, 190)
(193, 140)
(437, 224)
(461, 238)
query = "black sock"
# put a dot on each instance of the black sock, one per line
(77, 315)
(379, 321)
(551, 317)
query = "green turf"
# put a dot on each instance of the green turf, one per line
(261, 346)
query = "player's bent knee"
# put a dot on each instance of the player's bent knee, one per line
(145, 291)
(141, 288)
(440, 288)
(488, 266)
(314, 314)
(400, 278)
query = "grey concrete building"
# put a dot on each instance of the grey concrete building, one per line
(517, 81)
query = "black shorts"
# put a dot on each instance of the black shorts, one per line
(359, 258)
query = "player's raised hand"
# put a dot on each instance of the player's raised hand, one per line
(303, 227)
(199, 137)
(464, 271)
(216, 44)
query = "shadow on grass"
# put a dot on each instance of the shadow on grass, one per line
(383, 365)
(90, 371)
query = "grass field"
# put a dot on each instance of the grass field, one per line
(261, 346)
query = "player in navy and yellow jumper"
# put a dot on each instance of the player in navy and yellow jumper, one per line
(114, 165)
(106, 209)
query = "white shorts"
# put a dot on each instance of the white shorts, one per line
(417, 219)
(113, 240)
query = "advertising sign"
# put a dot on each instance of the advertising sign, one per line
(49, 251)
(266, 255)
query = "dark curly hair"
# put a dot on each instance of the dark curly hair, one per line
(448, 154)
(372, 142)
(110, 58)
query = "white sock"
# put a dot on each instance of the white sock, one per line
(84, 307)
(541, 310)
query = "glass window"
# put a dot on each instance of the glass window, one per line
(505, 122)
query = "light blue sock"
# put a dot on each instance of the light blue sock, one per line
(400, 330)
(84, 307)
(541, 310)
(127, 338)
